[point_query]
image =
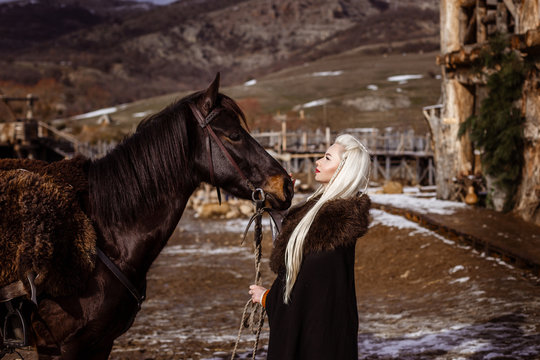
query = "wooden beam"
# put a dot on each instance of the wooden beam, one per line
(467, 54)
(511, 7)
(481, 31)
(502, 18)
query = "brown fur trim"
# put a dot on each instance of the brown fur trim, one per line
(73, 172)
(44, 230)
(338, 223)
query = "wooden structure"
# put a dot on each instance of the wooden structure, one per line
(26, 137)
(466, 27)
(395, 155)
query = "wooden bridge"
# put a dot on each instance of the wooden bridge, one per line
(401, 155)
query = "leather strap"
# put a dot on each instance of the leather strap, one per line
(11, 291)
(120, 276)
(205, 124)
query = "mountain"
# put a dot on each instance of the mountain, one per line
(87, 54)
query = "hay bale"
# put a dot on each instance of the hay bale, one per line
(393, 187)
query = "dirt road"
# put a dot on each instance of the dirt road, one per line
(420, 296)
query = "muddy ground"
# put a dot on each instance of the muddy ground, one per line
(420, 296)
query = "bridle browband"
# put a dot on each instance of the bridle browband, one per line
(204, 123)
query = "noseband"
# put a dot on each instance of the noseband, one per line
(204, 123)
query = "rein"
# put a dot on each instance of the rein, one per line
(204, 123)
(139, 298)
(256, 313)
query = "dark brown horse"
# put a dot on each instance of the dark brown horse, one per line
(137, 195)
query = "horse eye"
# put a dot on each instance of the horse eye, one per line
(234, 136)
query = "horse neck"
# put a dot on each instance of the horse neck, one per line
(137, 245)
(135, 240)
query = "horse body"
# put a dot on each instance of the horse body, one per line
(137, 195)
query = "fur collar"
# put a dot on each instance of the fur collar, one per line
(338, 223)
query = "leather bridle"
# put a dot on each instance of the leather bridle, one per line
(204, 123)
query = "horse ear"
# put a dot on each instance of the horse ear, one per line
(210, 96)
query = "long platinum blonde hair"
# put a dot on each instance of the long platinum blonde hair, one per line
(350, 178)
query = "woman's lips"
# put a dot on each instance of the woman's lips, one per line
(316, 171)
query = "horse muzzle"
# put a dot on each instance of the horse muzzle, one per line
(279, 192)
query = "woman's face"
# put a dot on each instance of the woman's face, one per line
(327, 165)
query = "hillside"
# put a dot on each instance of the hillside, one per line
(358, 89)
(95, 58)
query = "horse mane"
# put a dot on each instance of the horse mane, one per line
(152, 164)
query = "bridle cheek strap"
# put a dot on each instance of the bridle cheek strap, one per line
(204, 123)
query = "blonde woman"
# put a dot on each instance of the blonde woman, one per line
(311, 305)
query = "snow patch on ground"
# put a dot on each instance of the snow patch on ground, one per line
(328, 73)
(142, 114)
(404, 78)
(315, 103)
(454, 342)
(456, 269)
(105, 111)
(381, 217)
(421, 205)
(100, 112)
(201, 250)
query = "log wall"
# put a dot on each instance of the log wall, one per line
(466, 26)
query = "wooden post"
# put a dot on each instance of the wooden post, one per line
(387, 174)
(304, 141)
(375, 171)
(430, 171)
(284, 135)
(327, 137)
(502, 18)
(481, 11)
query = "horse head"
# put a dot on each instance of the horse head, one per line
(229, 157)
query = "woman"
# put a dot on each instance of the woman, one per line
(311, 305)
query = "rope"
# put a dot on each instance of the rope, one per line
(256, 312)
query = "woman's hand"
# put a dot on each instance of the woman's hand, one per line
(256, 293)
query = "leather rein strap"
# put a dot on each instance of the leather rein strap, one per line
(204, 123)
(120, 276)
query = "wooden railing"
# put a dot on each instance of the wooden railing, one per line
(377, 141)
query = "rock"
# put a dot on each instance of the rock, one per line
(393, 187)
(246, 210)
(209, 210)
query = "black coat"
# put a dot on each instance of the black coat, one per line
(321, 319)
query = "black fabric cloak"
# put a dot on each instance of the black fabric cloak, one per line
(321, 319)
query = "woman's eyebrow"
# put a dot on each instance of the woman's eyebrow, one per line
(328, 154)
